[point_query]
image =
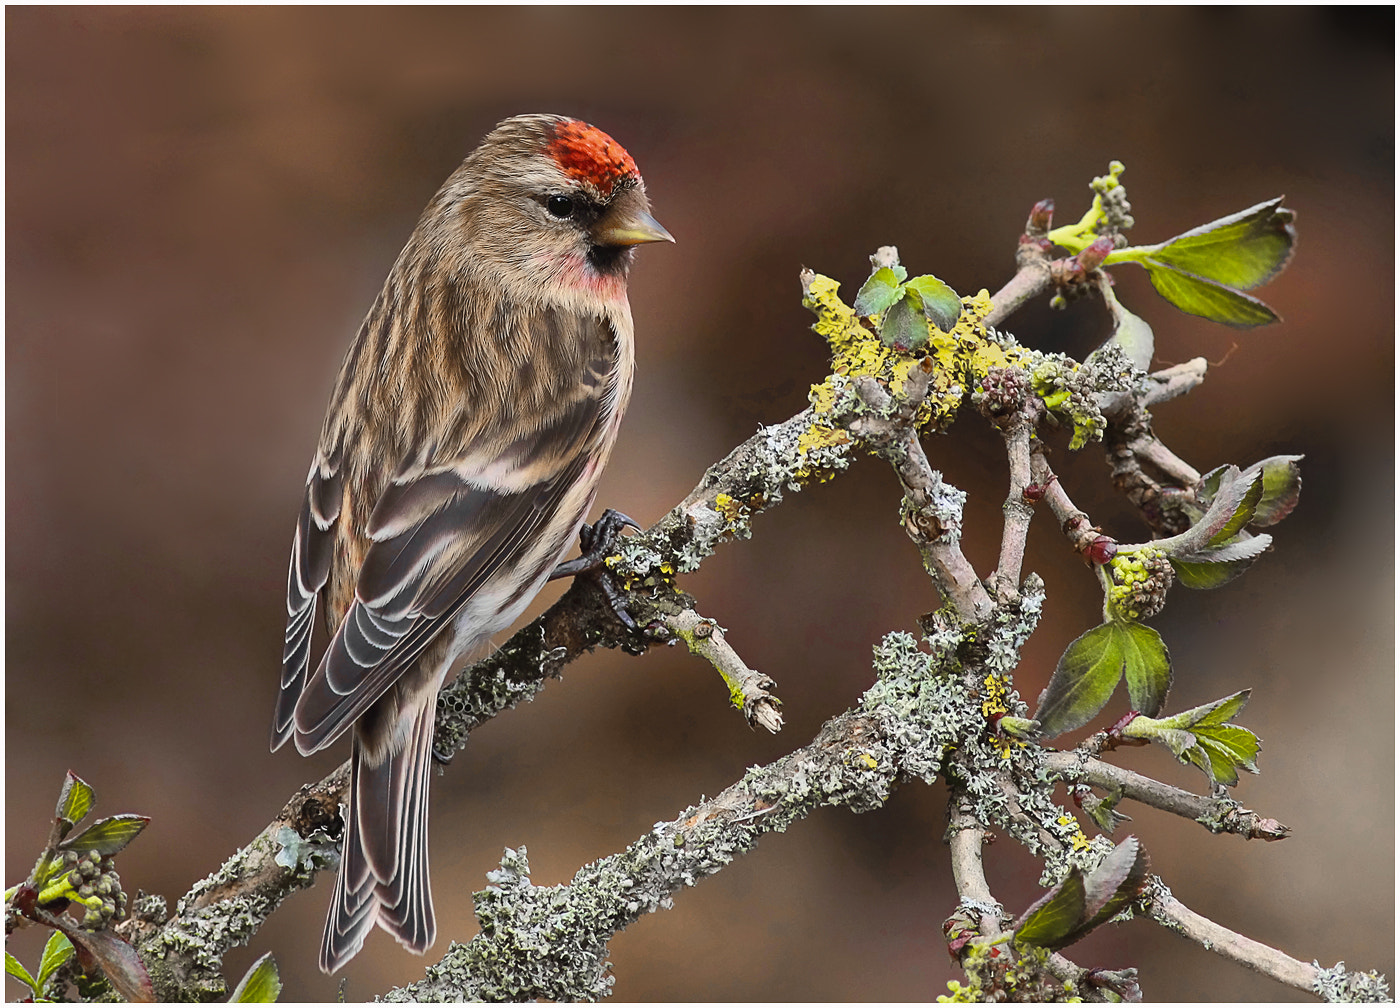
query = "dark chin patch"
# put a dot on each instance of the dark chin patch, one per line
(610, 260)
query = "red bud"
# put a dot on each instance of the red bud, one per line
(1101, 550)
(1093, 256)
(1041, 216)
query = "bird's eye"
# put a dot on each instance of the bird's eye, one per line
(560, 206)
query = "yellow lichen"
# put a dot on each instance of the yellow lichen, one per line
(959, 358)
(729, 507)
(836, 321)
(822, 397)
(821, 436)
(994, 699)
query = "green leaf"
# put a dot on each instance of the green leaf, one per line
(1082, 681)
(1227, 749)
(108, 836)
(1179, 740)
(1055, 916)
(1213, 713)
(1146, 664)
(260, 984)
(878, 293)
(1243, 250)
(1130, 332)
(1118, 879)
(1243, 546)
(74, 802)
(16, 969)
(1230, 493)
(1205, 576)
(940, 303)
(904, 327)
(1210, 484)
(1197, 295)
(117, 960)
(1202, 736)
(1244, 511)
(57, 951)
(1283, 484)
(1212, 568)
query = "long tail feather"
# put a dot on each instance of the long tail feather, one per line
(383, 877)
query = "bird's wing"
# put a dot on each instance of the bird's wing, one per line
(312, 549)
(480, 525)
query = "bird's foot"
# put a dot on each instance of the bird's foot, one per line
(595, 546)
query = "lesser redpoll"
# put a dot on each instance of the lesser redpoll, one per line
(458, 459)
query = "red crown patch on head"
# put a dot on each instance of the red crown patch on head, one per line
(588, 153)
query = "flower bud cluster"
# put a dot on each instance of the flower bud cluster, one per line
(1113, 198)
(1002, 390)
(1073, 392)
(1140, 583)
(97, 886)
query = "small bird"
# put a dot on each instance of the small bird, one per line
(459, 456)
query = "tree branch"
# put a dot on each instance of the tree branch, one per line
(916, 711)
(1016, 510)
(1168, 910)
(1219, 815)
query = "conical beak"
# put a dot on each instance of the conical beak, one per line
(628, 223)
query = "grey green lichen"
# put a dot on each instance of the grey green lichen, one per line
(551, 942)
(1337, 984)
(198, 938)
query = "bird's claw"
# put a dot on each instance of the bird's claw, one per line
(595, 545)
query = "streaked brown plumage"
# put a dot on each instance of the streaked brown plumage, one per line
(459, 456)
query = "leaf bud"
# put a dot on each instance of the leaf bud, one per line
(1101, 550)
(1092, 257)
(1042, 214)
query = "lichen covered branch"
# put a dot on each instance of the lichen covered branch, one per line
(551, 942)
(183, 952)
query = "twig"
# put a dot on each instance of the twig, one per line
(1017, 510)
(1174, 381)
(748, 690)
(965, 838)
(1032, 277)
(932, 509)
(1144, 469)
(1219, 815)
(1074, 523)
(1167, 910)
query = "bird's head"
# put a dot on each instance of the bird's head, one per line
(553, 202)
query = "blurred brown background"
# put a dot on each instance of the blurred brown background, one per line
(203, 202)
